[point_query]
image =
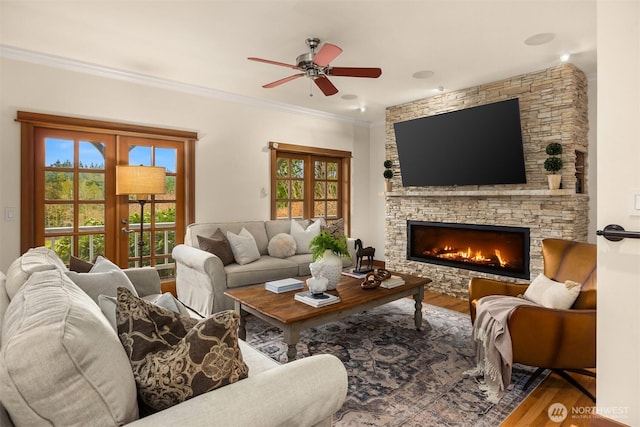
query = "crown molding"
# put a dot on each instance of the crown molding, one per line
(60, 62)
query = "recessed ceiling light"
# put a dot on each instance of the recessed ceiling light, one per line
(538, 39)
(565, 57)
(424, 74)
(363, 108)
(349, 96)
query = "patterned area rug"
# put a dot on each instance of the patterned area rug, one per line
(399, 376)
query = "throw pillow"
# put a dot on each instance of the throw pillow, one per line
(167, 300)
(106, 283)
(175, 358)
(335, 228)
(218, 245)
(243, 246)
(552, 294)
(303, 236)
(79, 265)
(282, 245)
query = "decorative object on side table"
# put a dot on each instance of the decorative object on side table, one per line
(553, 164)
(327, 248)
(388, 174)
(362, 252)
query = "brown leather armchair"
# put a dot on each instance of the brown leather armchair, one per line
(560, 340)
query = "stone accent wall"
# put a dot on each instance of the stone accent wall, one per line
(553, 107)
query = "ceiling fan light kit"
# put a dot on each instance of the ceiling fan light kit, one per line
(316, 66)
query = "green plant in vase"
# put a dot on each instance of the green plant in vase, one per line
(327, 250)
(324, 241)
(553, 164)
(388, 173)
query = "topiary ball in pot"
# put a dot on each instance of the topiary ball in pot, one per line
(554, 149)
(553, 164)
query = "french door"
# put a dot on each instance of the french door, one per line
(163, 215)
(73, 193)
(69, 202)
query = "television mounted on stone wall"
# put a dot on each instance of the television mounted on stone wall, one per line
(479, 145)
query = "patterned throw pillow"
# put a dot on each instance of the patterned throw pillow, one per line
(175, 358)
(335, 228)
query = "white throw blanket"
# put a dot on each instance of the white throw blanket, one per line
(492, 343)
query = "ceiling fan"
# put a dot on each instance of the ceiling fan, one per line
(315, 65)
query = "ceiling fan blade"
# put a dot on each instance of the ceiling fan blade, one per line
(267, 61)
(327, 53)
(281, 81)
(355, 72)
(326, 86)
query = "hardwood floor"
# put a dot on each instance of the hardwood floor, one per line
(534, 410)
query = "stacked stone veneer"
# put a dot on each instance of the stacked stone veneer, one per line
(553, 107)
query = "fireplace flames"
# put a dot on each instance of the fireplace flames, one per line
(492, 249)
(469, 256)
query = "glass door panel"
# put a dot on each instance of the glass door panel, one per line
(73, 192)
(161, 211)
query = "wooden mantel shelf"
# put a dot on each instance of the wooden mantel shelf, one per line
(481, 193)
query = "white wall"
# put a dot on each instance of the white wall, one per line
(232, 162)
(592, 157)
(618, 383)
(376, 189)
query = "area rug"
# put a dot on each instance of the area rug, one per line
(399, 376)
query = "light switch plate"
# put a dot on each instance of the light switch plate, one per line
(10, 213)
(635, 202)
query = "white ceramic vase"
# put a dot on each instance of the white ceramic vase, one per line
(331, 268)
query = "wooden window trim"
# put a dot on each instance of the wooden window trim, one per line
(101, 126)
(345, 164)
(30, 121)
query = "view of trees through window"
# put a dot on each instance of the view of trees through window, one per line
(309, 182)
(75, 201)
(68, 190)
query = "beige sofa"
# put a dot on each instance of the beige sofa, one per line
(202, 279)
(61, 363)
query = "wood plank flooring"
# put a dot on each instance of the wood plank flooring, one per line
(533, 411)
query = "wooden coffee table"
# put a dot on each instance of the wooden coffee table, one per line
(291, 316)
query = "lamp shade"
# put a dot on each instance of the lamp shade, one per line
(140, 180)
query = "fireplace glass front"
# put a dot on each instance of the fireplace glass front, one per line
(486, 248)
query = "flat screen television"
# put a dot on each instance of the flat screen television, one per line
(475, 146)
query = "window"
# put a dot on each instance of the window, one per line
(309, 182)
(68, 190)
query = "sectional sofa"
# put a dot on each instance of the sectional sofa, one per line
(62, 363)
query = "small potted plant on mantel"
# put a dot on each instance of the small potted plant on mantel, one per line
(388, 174)
(553, 164)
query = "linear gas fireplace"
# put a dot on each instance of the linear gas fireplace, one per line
(486, 248)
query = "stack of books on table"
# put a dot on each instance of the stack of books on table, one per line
(355, 274)
(316, 300)
(392, 282)
(284, 285)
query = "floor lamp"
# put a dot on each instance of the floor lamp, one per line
(141, 181)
